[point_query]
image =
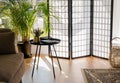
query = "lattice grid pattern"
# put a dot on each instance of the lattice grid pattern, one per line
(60, 27)
(81, 27)
(102, 18)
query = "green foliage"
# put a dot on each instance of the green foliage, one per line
(22, 14)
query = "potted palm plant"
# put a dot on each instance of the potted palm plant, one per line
(21, 15)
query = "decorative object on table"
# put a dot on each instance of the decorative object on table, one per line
(115, 53)
(37, 33)
(101, 75)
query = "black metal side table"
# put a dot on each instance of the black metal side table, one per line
(50, 42)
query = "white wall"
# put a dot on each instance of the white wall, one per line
(116, 19)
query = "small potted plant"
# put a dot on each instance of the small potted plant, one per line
(37, 33)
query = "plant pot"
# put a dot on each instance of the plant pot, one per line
(25, 48)
(36, 39)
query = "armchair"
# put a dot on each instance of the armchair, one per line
(12, 64)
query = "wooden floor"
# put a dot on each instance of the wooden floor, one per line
(71, 70)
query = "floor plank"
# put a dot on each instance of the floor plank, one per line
(71, 70)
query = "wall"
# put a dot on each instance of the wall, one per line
(116, 19)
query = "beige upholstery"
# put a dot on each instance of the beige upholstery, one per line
(12, 65)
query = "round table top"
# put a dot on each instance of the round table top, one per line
(46, 41)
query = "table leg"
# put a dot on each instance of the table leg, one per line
(38, 56)
(52, 62)
(34, 61)
(57, 59)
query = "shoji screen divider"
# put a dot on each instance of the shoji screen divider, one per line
(84, 27)
(60, 28)
(81, 28)
(102, 27)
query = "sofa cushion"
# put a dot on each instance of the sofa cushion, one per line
(7, 43)
(9, 66)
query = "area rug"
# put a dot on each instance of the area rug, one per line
(102, 75)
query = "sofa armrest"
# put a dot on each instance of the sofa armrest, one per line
(3, 82)
(10, 65)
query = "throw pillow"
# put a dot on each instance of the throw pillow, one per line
(7, 43)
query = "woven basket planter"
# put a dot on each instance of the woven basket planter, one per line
(115, 55)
